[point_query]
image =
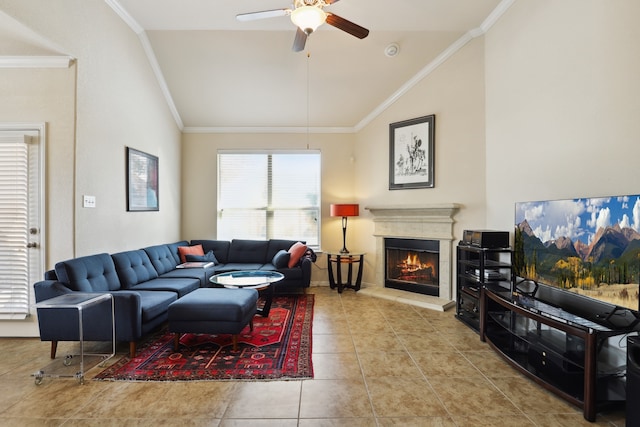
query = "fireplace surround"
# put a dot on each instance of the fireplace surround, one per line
(429, 222)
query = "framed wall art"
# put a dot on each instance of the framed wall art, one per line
(411, 153)
(142, 181)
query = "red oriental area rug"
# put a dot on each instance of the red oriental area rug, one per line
(278, 348)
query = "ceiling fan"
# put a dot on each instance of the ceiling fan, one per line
(308, 15)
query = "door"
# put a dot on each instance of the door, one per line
(21, 195)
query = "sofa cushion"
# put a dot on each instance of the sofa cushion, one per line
(289, 273)
(281, 259)
(297, 250)
(180, 285)
(189, 250)
(276, 245)
(209, 305)
(93, 273)
(133, 267)
(233, 266)
(208, 257)
(154, 303)
(202, 274)
(220, 248)
(173, 247)
(248, 251)
(161, 258)
(50, 275)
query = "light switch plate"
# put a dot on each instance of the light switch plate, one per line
(89, 201)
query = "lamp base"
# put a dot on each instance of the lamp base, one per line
(344, 236)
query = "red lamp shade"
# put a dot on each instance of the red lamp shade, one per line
(345, 210)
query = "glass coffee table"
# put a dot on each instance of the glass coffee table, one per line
(251, 279)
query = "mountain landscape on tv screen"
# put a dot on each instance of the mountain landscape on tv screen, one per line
(587, 246)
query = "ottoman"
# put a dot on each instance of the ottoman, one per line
(213, 311)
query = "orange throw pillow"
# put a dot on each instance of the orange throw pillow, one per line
(189, 250)
(297, 250)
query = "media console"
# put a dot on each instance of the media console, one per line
(567, 354)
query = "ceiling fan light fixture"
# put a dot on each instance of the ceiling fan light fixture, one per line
(308, 18)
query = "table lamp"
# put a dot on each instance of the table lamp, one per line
(345, 210)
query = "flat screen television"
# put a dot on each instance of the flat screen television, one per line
(588, 246)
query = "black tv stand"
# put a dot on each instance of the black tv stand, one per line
(561, 351)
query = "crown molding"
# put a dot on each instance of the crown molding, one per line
(62, 61)
(439, 60)
(126, 17)
(431, 67)
(486, 25)
(157, 71)
(268, 129)
(493, 17)
(151, 57)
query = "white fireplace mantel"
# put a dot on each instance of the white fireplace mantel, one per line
(447, 210)
(434, 222)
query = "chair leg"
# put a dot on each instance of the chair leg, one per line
(234, 339)
(251, 325)
(132, 349)
(54, 348)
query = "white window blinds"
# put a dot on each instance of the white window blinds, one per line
(269, 195)
(14, 215)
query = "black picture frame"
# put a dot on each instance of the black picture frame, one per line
(411, 153)
(142, 181)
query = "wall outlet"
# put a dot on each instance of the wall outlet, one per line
(89, 201)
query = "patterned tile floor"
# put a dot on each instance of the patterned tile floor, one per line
(377, 363)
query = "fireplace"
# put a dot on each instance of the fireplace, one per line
(432, 223)
(412, 265)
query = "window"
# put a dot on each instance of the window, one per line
(269, 195)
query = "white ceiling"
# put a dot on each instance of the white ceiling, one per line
(221, 73)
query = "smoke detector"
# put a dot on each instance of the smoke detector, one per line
(392, 50)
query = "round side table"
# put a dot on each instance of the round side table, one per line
(337, 259)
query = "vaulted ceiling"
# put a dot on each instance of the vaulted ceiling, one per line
(222, 73)
(219, 73)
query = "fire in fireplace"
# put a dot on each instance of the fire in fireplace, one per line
(412, 265)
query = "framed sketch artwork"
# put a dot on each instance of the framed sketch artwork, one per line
(142, 181)
(411, 153)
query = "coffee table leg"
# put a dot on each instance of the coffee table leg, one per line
(176, 341)
(268, 299)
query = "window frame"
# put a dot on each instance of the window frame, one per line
(270, 209)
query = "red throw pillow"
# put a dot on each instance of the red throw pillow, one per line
(189, 250)
(297, 250)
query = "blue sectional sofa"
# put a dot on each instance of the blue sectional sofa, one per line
(144, 282)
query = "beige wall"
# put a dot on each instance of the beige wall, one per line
(563, 95)
(108, 100)
(119, 104)
(199, 183)
(356, 166)
(46, 96)
(454, 92)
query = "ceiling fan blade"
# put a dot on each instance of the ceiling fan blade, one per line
(299, 41)
(252, 16)
(347, 26)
